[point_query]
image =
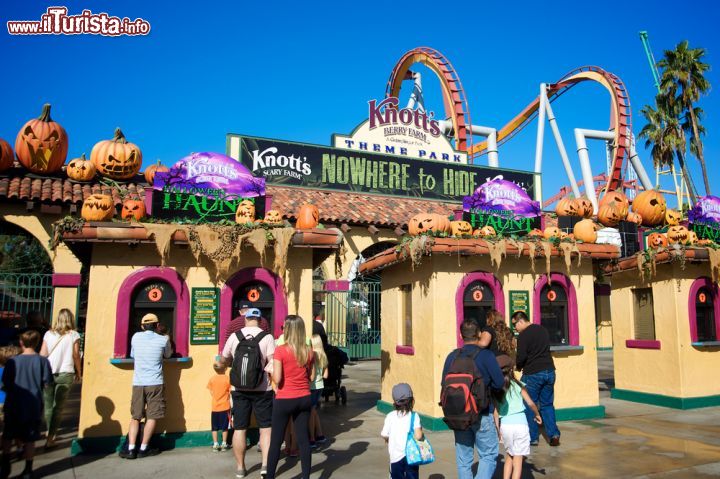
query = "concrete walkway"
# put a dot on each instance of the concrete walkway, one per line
(634, 440)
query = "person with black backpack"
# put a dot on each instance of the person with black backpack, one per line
(468, 376)
(250, 352)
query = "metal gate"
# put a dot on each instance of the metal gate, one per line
(352, 319)
(21, 294)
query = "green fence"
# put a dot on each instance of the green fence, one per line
(352, 319)
(21, 294)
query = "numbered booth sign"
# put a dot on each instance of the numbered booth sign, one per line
(156, 297)
(478, 301)
(705, 314)
(259, 295)
(554, 313)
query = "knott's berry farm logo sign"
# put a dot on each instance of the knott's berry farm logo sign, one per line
(207, 187)
(404, 132)
(504, 205)
(704, 218)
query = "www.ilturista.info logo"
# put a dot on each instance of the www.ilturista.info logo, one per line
(56, 21)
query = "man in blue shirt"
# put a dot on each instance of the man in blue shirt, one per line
(148, 348)
(482, 434)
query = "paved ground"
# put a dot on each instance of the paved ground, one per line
(634, 440)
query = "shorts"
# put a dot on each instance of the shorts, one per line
(220, 420)
(148, 401)
(516, 438)
(315, 397)
(245, 402)
(22, 430)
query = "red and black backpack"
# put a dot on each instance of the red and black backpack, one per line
(463, 395)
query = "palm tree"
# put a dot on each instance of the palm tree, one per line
(684, 69)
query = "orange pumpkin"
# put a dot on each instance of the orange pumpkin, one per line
(427, 222)
(245, 212)
(308, 217)
(97, 207)
(487, 231)
(133, 209)
(692, 238)
(152, 169)
(552, 232)
(80, 169)
(672, 217)
(536, 233)
(585, 231)
(273, 217)
(117, 158)
(584, 207)
(634, 218)
(677, 234)
(460, 228)
(566, 207)
(619, 199)
(651, 205)
(657, 240)
(41, 145)
(610, 214)
(704, 242)
(6, 155)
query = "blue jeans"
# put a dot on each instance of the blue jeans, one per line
(541, 389)
(482, 436)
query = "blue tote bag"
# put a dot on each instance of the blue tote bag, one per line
(417, 452)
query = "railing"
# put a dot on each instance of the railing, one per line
(352, 319)
(21, 294)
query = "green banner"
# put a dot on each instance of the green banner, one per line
(519, 301)
(204, 315)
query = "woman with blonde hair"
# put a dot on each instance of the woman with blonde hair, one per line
(61, 345)
(316, 389)
(293, 366)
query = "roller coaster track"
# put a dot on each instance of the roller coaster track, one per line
(454, 99)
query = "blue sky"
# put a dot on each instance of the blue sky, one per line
(301, 71)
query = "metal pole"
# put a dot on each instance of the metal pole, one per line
(583, 155)
(541, 130)
(561, 146)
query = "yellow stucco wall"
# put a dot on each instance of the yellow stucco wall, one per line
(188, 401)
(435, 283)
(603, 322)
(677, 369)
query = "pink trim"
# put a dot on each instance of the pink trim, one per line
(457, 215)
(148, 200)
(409, 350)
(182, 312)
(642, 343)
(66, 279)
(337, 285)
(487, 278)
(692, 313)
(268, 202)
(247, 275)
(564, 281)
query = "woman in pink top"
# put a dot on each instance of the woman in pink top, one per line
(292, 370)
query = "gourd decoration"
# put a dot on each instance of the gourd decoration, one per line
(704, 242)
(486, 231)
(41, 145)
(273, 217)
(634, 218)
(427, 222)
(80, 169)
(97, 207)
(610, 214)
(308, 217)
(651, 205)
(133, 209)
(619, 200)
(672, 217)
(657, 240)
(552, 232)
(245, 212)
(117, 158)
(6, 155)
(152, 169)
(566, 207)
(585, 231)
(584, 207)
(692, 238)
(461, 228)
(677, 235)
(536, 233)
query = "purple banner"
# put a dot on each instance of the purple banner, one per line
(502, 198)
(213, 175)
(706, 210)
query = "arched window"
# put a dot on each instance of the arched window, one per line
(478, 293)
(555, 308)
(157, 297)
(704, 311)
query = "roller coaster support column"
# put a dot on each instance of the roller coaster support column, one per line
(541, 129)
(560, 145)
(582, 150)
(492, 149)
(639, 168)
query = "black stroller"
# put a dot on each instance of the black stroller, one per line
(337, 359)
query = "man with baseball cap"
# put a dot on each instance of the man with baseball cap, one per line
(148, 348)
(238, 322)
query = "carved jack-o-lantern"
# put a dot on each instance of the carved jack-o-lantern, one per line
(610, 214)
(634, 218)
(657, 240)
(673, 217)
(245, 212)
(651, 205)
(618, 200)
(677, 234)
(133, 209)
(6, 155)
(486, 231)
(97, 207)
(150, 171)
(566, 207)
(460, 228)
(692, 238)
(117, 158)
(273, 217)
(584, 207)
(427, 222)
(41, 145)
(552, 232)
(585, 231)
(536, 233)
(80, 169)
(308, 217)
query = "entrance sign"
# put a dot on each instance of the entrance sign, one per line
(322, 167)
(204, 313)
(504, 205)
(704, 218)
(406, 132)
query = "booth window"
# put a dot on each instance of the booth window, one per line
(555, 308)
(478, 301)
(644, 316)
(405, 327)
(704, 311)
(156, 297)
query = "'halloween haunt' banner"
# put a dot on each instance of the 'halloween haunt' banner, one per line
(704, 218)
(504, 205)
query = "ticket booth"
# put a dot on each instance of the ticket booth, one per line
(260, 296)
(478, 301)
(156, 297)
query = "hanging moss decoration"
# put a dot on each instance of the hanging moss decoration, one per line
(567, 250)
(497, 250)
(283, 237)
(547, 251)
(258, 239)
(714, 260)
(517, 244)
(532, 246)
(162, 233)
